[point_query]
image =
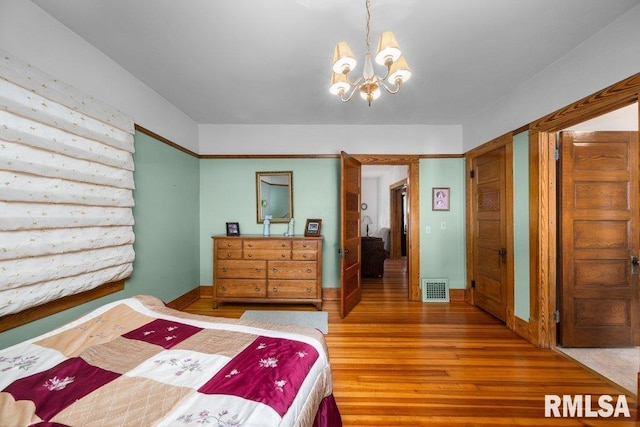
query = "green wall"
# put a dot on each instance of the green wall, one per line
(442, 251)
(521, 225)
(228, 194)
(166, 229)
(182, 201)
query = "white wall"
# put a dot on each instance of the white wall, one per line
(369, 195)
(611, 55)
(29, 33)
(330, 139)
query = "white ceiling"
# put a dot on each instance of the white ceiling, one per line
(268, 62)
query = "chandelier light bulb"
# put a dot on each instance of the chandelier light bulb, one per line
(399, 71)
(343, 60)
(388, 49)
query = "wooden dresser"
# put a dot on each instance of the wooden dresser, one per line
(273, 269)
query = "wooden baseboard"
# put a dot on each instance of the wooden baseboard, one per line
(331, 294)
(457, 295)
(206, 292)
(185, 300)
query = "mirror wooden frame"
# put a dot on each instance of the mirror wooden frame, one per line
(278, 180)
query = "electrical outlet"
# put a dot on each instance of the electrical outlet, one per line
(428, 229)
(443, 225)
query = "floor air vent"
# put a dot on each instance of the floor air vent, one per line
(435, 290)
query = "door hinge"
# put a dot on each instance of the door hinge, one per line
(473, 284)
(556, 316)
(472, 173)
(556, 154)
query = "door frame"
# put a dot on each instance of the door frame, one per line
(395, 198)
(413, 206)
(542, 198)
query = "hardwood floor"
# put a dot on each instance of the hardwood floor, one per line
(403, 363)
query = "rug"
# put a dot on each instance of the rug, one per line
(313, 319)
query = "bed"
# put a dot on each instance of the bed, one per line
(136, 362)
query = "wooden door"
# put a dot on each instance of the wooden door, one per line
(599, 239)
(350, 291)
(398, 229)
(489, 232)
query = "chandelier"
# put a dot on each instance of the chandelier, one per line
(388, 55)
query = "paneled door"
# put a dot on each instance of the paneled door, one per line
(489, 232)
(599, 239)
(351, 290)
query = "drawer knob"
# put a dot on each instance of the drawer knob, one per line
(275, 289)
(309, 270)
(304, 256)
(228, 245)
(275, 270)
(224, 269)
(250, 245)
(257, 288)
(258, 269)
(284, 255)
(309, 290)
(228, 254)
(304, 245)
(249, 255)
(224, 288)
(283, 245)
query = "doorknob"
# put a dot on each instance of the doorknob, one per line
(503, 254)
(634, 264)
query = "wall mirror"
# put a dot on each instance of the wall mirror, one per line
(274, 196)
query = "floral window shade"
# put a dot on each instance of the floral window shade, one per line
(66, 189)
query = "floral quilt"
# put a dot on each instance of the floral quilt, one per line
(136, 362)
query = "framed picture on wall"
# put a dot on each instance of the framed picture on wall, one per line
(312, 229)
(440, 199)
(233, 229)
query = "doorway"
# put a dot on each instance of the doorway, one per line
(398, 220)
(604, 339)
(412, 166)
(385, 196)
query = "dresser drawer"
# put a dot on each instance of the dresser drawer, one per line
(304, 255)
(267, 244)
(241, 269)
(267, 254)
(241, 288)
(292, 289)
(229, 253)
(305, 245)
(300, 270)
(228, 244)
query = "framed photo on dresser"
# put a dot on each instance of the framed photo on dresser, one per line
(233, 229)
(312, 229)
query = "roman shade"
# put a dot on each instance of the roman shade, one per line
(66, 189)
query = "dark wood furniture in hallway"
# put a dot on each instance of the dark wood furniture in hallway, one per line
(373, 256)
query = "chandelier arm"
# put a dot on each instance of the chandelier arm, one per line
(354, 89)
(388, 89)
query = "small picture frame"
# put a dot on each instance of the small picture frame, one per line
(441, 199)
(312, 228)
(233, 229)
